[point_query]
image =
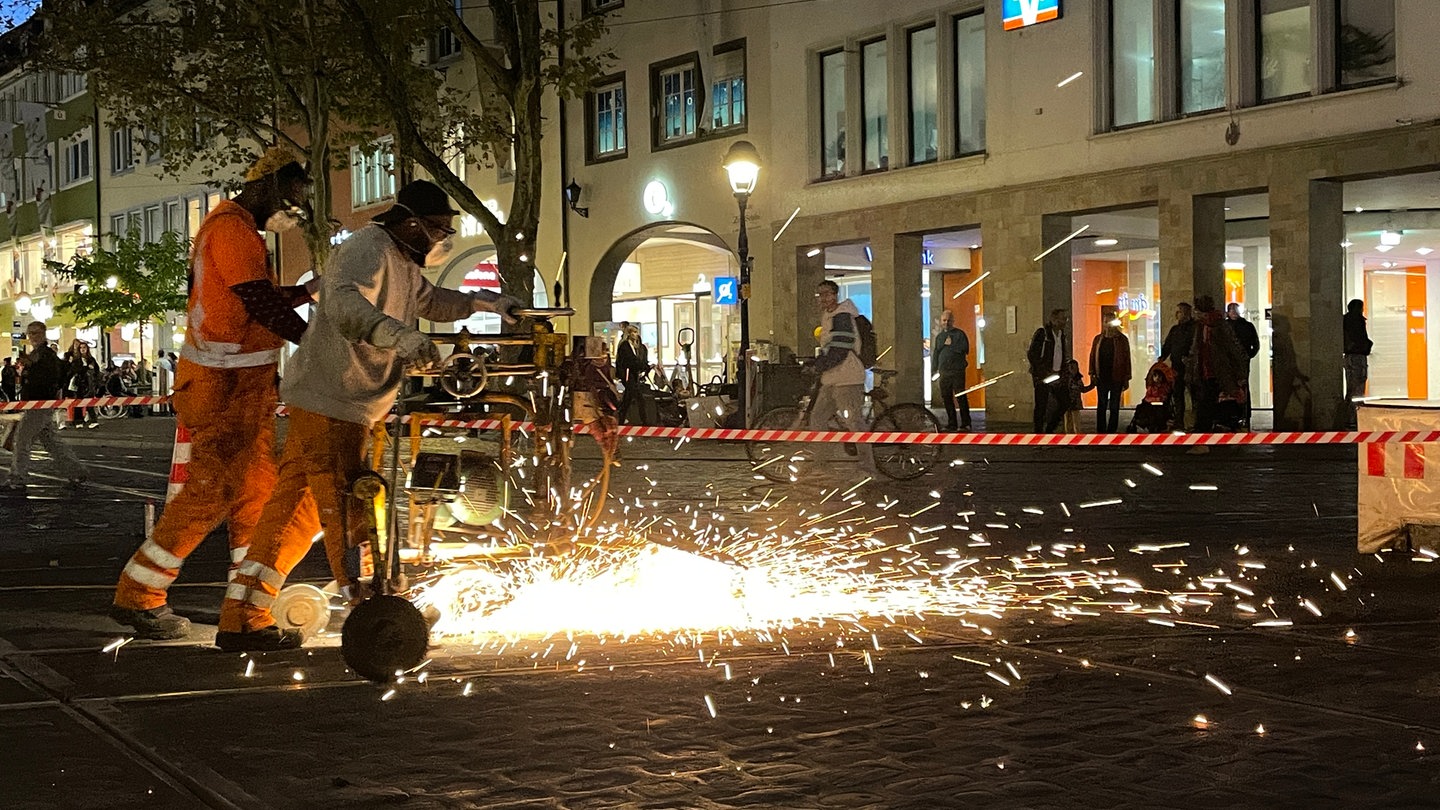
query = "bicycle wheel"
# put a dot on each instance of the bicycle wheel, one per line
(905, 461)
(111, 411)
(779, 460)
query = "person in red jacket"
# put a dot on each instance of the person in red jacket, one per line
(225, 389)
(1110, 374)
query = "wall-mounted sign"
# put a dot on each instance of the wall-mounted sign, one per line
(725, 290)
(1022, 13)
(657, 199)
(927, 256)
(1138, 302)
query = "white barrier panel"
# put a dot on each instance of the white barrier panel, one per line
(1398, 486)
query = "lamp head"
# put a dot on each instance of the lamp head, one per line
(742, 166)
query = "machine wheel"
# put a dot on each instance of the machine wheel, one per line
(384, 635)
(779, 460)
(905, 461)
(302, 607)
(462, 375)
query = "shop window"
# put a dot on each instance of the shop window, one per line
(924, 96)
(832, 114)
(1285, 66)
(372, 174)
(970, 84)
(607, 120)
(1365, 44)
(875, 104)
(674, 87)
(1132, 62)
(1201, 62)
(727, 91)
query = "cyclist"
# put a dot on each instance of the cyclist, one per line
(841, 392)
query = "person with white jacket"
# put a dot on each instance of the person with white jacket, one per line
(341, 382)
(842, 376)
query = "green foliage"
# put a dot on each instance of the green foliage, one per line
(149, 281)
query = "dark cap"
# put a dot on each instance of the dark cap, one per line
(419, 198)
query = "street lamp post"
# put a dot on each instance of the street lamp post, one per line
(742, 167)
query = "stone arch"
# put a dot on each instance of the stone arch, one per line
(602, 280)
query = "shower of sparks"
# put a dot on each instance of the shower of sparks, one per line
(117, 644)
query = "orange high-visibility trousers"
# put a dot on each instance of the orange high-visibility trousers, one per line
(231, 417)
(322, 456)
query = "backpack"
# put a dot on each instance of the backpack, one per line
(867, 346)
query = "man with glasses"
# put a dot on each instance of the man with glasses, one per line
(342, 381)
(224, 387)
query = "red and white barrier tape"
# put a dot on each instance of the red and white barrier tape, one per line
(82, 402)
(962, 439)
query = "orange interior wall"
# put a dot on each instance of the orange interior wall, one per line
(964, 308)
(1097, 284)
(1417, 360)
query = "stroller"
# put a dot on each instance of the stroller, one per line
(1152, 415)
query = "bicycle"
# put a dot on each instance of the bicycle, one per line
(784, 461)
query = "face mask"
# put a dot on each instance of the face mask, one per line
(440, 252)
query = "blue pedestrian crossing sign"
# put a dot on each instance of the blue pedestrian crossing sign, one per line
(725, 290)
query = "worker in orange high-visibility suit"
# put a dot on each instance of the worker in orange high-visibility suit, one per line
(339, 384)
(225, 388)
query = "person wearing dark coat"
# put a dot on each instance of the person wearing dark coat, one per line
(1249, 338)
(1217, 364)
(1357, 354)
(951, 350)
(632, 360)
(1110, 374)
(1049, 349)
(86, 380)
(1175, 349)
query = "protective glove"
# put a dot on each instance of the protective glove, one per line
(417, 349)
(499, 304)
(410, 344)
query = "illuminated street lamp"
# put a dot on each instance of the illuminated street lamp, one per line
(22, 303)
(742, 166)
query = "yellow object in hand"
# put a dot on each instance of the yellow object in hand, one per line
(818, 330)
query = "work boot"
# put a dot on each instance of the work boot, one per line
(159, 624)
(267, 640)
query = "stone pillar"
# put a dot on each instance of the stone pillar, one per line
(1192, 248)
(898, 315)
(1019, 295)
(809, 271)
(1307, 226)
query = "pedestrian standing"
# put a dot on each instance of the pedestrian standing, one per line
(9, 380)
(632, 361)
(239, 318)
(1049, 349)
(1070, 388)
(951, 350)
(341, 383)
(44, 378)
(1249, 339)
(1357, 348)
(1216, 364)
(86, 380)
(1109, 374)
(1175, 349)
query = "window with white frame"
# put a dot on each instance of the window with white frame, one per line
(72, 85)
(122, 150)
(117, 226)
(674, 86)
(372, 174)
(607, 120)
(444, 43)
(75, 163)
(150, 142)
(174, 221)
(597, 6)
(153, 226)
(727, 90)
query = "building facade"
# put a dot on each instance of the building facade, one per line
(1279, 154)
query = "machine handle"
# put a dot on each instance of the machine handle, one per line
(540, 313)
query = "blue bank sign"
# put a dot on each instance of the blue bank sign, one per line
(1023, 13)
(725, 290)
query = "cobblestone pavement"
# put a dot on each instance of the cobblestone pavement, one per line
(1023, 709)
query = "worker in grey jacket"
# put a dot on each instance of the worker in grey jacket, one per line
(342, 381)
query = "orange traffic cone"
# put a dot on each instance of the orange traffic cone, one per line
(179, 462)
